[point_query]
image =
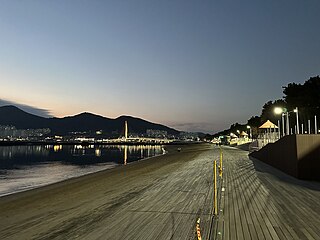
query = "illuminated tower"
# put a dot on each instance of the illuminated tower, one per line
(126, 130)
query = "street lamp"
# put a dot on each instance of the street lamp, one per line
(278, 110)
(250, 131)
(297, 116)
(284, 111)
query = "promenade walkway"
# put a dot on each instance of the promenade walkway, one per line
(158, 198)
(260, 202)
(162, 198)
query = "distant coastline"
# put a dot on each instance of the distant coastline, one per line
(26, 143)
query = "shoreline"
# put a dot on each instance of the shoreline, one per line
(169, 149)
(47, 184)
(112, 201)
(40, 143)
(82, 175)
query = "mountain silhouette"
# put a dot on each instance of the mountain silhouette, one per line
(83, 122)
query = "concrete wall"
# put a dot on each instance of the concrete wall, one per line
(296, 155)
(308, 154)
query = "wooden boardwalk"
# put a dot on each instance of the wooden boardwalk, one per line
(257, 201)
(159, 198)
(162, 198)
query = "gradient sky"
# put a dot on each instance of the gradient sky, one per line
(193, 65)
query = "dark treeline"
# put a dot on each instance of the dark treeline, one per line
(304, 96)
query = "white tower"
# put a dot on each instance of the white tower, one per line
(126, 130)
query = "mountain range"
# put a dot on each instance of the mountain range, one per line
(83, 122)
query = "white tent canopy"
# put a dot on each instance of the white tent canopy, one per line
(243, 133)
(268, 124)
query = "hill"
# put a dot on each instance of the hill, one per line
(83, 122)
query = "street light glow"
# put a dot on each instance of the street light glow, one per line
(284, 111)
(278, 110)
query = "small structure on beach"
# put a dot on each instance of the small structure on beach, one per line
(268, 132)
(243, 134)
(268, 125)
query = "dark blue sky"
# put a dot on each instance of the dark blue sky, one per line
(193, 65)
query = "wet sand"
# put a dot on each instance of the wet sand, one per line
(128, 202)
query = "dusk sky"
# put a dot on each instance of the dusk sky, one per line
(192, 65)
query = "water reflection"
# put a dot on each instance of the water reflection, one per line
(97, 152)
(125, 155)
(25, 167)
(12, 157)
(57, 148)
(12, 151)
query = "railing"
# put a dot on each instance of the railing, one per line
(262, 140)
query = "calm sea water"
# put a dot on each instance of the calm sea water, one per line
(27, 167)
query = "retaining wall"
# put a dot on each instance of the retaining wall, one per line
(296, 155)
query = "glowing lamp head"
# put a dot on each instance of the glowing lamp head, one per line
(278, 110)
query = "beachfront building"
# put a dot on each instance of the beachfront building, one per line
(156, 133)
(11, 132)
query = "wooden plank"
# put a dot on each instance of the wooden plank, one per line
(226, 212)
(260, 205)
(295, 208)
(243, 205)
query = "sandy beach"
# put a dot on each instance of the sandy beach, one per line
(120, 203)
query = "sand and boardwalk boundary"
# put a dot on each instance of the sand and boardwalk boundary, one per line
(88, 205)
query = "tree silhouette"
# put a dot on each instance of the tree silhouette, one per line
(304, 96)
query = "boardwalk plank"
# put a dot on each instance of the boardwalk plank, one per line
(266, 203)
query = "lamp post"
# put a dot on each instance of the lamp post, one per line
(250, 131)
(285, 112)
(288, 123)
(279, 110)
(297, 116)
(282, 116)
